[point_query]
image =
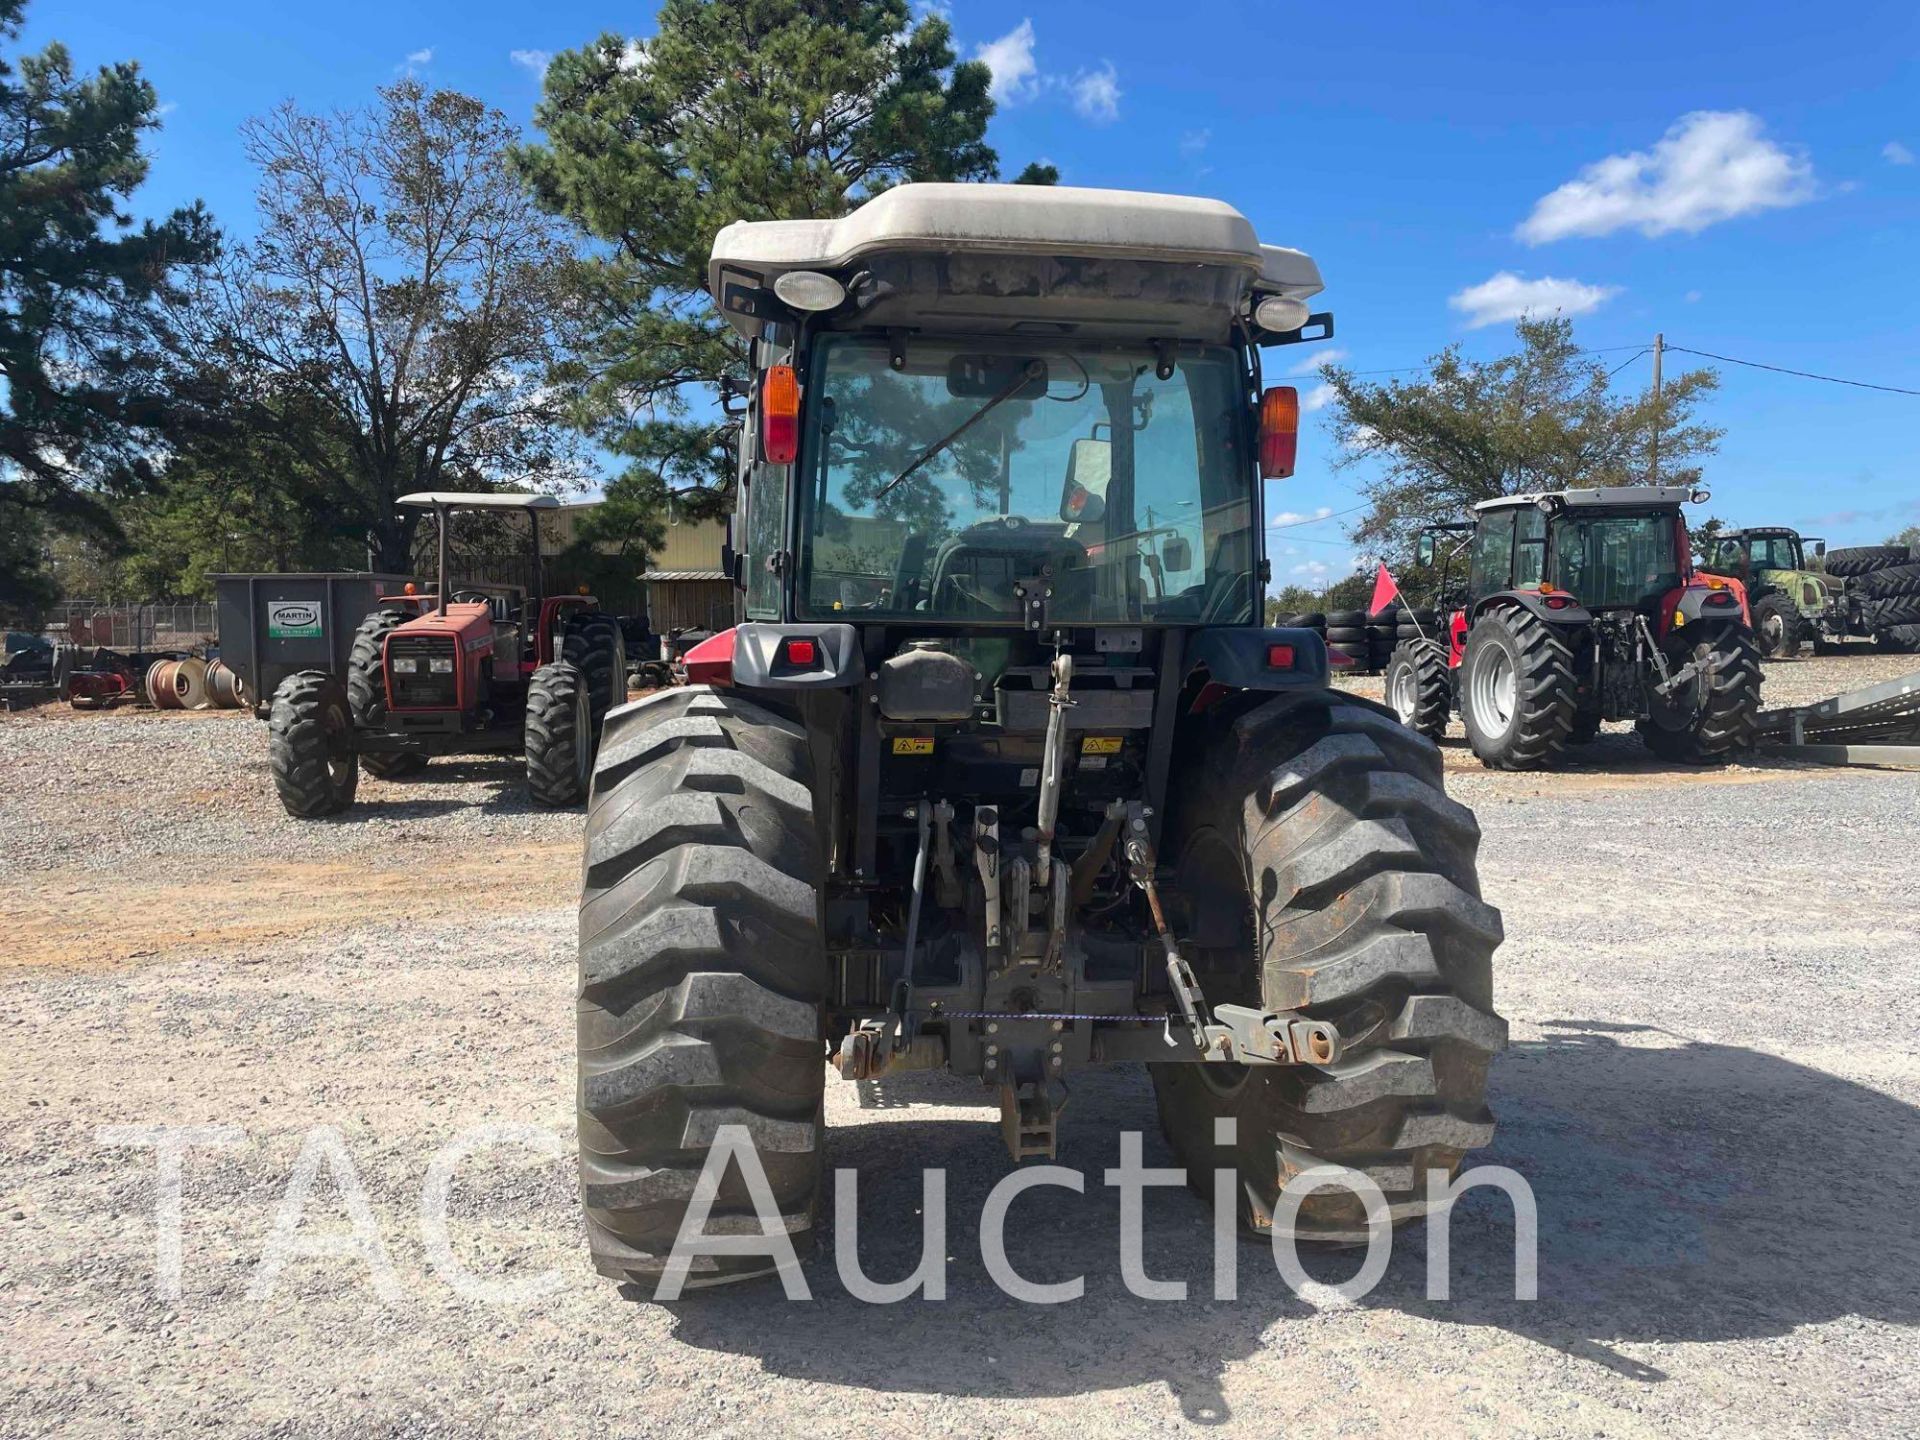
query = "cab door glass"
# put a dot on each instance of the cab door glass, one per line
(1492, 566)
(1529, 547)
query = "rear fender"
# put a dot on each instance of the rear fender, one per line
(1702, 604)
(1568, 611)
(1238, 657)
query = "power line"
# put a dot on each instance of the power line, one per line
(1602, 350)
(1803, 374)
(1320, 519)
(1626, 362)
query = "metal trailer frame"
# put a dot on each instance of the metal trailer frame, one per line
(1877, 725)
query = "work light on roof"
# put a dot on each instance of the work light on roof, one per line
(809, 290)
(1280, 314)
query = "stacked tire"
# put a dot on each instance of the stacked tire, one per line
(1889, 594)
(1347, 632)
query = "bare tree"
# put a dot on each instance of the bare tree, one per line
(396, 323)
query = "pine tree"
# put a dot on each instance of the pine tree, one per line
(81, 284)
(734, 110)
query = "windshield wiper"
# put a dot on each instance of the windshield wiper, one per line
(1031, 371)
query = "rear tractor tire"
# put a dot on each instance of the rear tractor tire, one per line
(310, 746)
(702, 977)
(1714, 718)
(559, 736)
(1324, 870)
(1517, 694)
(1420, 687)
(367, 691)
(592, 642)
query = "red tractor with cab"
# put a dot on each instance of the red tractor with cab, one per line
(1583, 606)
(471, 668)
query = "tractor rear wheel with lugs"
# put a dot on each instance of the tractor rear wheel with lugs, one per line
(1324, 870)
(702, 977)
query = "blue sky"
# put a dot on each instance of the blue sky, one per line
(1744, 178)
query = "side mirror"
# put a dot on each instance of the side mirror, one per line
(1820, 549)
(1423, 550)
(1083, 497)
(1176, 554)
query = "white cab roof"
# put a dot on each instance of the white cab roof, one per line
(1621, 495)
(480, 500)
(1060, 218)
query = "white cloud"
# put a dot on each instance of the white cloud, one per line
(1015, 75)
(534, 60)
(1712, 165)
(417, 58)
(633, 55)
(1508, 296)
(1692, 297)
(1311, 365)
(1317, 398)
(1894, 153)
(1294, 517)
(1193, 142)
(1096, 94)
(1313, 569)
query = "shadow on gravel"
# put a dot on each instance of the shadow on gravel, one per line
(413, 797)
(1687, 1192)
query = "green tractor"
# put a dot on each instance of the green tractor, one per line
(1867, 592)
(1787, 600)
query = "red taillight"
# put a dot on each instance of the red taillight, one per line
(802, 652)
(780, 415)
(1279, 657)
(1558, 602)
(1279, 432)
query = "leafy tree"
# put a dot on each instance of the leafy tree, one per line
(396, 324)
(734, 110)
(1909, 537)
(1540, 418)
(80, 413)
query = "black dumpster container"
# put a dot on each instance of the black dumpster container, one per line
(274, 625)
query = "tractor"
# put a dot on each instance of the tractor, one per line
(999, 772)
(1868, 591)
(471, 668)
(1582, 606)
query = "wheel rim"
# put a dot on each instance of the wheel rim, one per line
(1773, 634)
(1681, 709)
(1495, 689)
(339, 752)
(1401, 694)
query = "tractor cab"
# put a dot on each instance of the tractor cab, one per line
(1789, 601)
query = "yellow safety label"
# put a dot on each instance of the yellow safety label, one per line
(913, 745)
(1100, 745)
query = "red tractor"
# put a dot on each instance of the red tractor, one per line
(470, 668)
(1583, 606)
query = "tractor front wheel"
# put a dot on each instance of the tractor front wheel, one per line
(310, 745)
(1516, 690)
(702, 977)
(1419, 687)
(1778, 631)
(1323, 869)
(559, 736)
(1712, 715)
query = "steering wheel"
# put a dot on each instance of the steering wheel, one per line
(472, 597)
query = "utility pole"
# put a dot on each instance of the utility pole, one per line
(1659, 348)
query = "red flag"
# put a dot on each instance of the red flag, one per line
(1385, 591)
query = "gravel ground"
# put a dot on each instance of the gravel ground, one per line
(1712, 1093)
